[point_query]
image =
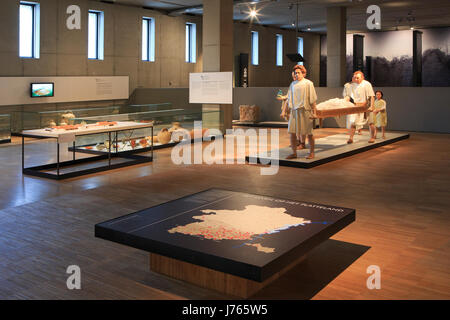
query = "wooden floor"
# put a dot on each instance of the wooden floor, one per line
(400, 193)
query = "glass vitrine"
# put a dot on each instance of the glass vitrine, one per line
(5, 128)
(170, 126)
(43, 119)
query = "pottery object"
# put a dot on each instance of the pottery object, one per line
(175, 126)
(67, 117)
(180, 134)
(164, 136)
(248, 113)
(197, 132)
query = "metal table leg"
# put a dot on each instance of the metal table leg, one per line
(23, 153)
(57, 158)
(109, 148)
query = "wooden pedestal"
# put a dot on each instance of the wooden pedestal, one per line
(212, 279)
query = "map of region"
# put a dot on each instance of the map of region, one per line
(254, 220)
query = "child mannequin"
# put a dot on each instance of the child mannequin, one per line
(380, 113)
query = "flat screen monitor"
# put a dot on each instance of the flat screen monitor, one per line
(42, 89)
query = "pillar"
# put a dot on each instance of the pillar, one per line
(218, 55)
(336, 46)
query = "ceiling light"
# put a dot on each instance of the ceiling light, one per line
(309, 29)
(253, 13)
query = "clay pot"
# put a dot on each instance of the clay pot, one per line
(67, 117)
(164, 136)
(175, 126)
(197, 132)
(180, 134)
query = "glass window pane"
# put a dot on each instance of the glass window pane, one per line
(255, 44)
(279, 50)
(151, 40)
(26, 31)
(145, 40)
(193, 44)
(92, 35)
(187, 42)
(300, 47)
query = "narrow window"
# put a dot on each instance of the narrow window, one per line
(95, 35)
(148, 39)
(300, 47)
(255, 45)
(191, 46)
(279, 50)
(29, 30)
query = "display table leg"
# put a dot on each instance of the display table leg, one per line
(57, 158)
(109, 148)
(23, 153)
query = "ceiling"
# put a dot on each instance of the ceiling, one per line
(395, 14)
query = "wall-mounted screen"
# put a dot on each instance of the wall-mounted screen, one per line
(42, 90)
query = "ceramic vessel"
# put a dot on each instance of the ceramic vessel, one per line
(67, 117)
(164, 136)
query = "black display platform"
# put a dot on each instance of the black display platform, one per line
(246, 235)
(327, 149)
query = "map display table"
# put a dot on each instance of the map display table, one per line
(232, 242)
(67, 169)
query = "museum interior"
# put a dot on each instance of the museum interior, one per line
(220, 150)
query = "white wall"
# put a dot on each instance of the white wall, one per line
(16, 90)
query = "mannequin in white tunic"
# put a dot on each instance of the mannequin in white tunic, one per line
(363, 95)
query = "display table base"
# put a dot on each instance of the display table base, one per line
(211, 279)
(56, 171)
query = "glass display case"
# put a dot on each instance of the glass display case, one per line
(5, 128)
(170, 126)
(112, 145)
(43, 119)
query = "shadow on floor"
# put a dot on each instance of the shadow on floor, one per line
(321, 266)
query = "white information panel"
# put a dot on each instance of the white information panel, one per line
(211, 87)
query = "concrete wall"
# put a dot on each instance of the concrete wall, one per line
(267, 73)
(63, 52)
(409, 109)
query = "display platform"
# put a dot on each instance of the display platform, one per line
(227, 240)
(327, 149)
(262, 124)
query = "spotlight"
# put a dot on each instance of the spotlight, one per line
(253, 13)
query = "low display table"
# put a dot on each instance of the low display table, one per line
(231, 242)
(57, 170)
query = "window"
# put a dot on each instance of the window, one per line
(95, 35)
(29, 30)
(279, 50)
(191, 46)
(300, 47)
(255, 44)
(148, 39)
